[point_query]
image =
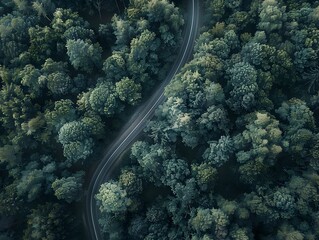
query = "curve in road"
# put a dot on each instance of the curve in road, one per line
(135, 125)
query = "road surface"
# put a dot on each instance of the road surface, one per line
(135, 125)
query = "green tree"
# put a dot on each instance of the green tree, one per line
(35, 179)
(128, 91)
(112, 198)
(205, 175)
(68, 188)
(258, 145)
(271, 16)
(299, 126)
(59, 83)
(84, 55)
(219, 152)
(63, 112)
(243, 78)
(47, 221)
(175, 171)
(76, 141)
(103, 100)
(131, 182)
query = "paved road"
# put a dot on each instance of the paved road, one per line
(135, 125)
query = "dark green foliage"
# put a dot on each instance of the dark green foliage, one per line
(68, 188)
(84, 55)
(46, 222)
(66, 75)
(244, 86)
(233, 152)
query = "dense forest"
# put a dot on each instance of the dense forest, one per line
(71, 72)
(233, 152)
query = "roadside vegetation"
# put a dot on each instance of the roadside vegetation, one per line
(66, 83)
(233, 152)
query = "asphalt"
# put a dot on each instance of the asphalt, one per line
(135, 126)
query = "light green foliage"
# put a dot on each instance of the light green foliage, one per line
(115, 66)
(219, 152)
(210, 220)
(62, 113)
(214, 93)
(128, 91)
(59, 83)
(186, 193)
(271, 16)
(112, 198)
(56, 78)
(215, 120)
(122, 30)
(289, 232)
(256, 205)
(186, 88)
(150, 158)
(243, 78)
(64, 19)
(43, 8)
(180, 121)
(202, 221)
(143, 59)
(43, 42)
(130, 181)
(103, 99)
(50, 66)
(253, 53)
(300, 124)
(72, 131)
(240, 234)
(29, 78)
(205, 175)
(77, 150)
(216, 47)
(94, 124)
(78, 32)
(231, 39)
(209, 66)
(68, 188)
(84, 55)
(165, 14)
(233, 3)
(314, 161)
(284, 202)
(76, 141)
(262, 139)
(15, 107)
(35, 127)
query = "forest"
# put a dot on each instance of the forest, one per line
(233, 152)
(71, 72)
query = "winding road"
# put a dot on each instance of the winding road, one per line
(135, 125)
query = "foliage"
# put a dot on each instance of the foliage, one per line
(232, 152)
(46, 222)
